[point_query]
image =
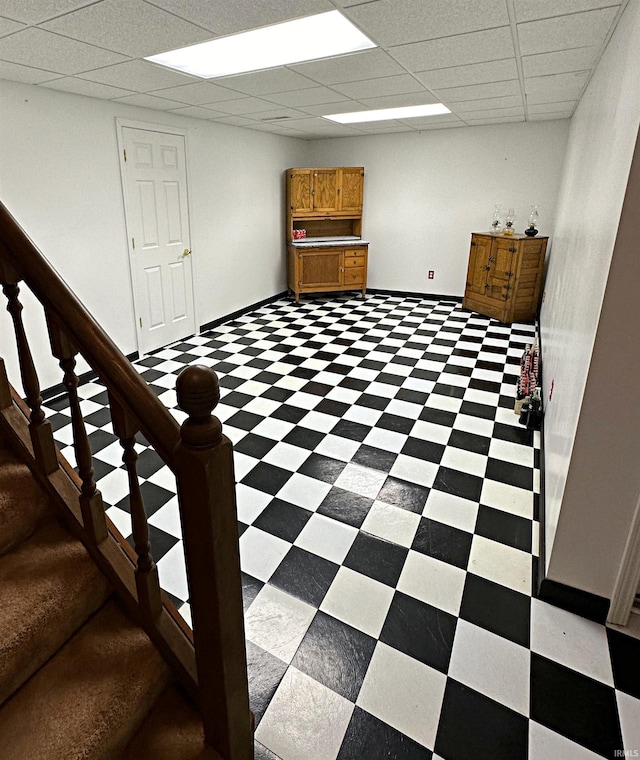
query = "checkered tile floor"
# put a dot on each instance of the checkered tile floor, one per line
(387, 502)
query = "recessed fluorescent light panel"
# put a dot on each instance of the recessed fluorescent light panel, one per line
(383, 114)
(304, 39)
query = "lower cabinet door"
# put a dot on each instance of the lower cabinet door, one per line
(321, 269)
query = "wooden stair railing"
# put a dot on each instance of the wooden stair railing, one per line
(210, 662)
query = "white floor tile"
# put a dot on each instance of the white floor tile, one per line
(327, 538)
(304, 719)
(429, 431)
(446, 403)
(500, 563)
(250, 502)
(452, 510)
(362, 414)
(273, 428)
(337, 447)
(629, 712)
(404, 693)
(414, 470)
(323, 423)
(172, 572)
(167, 518)
(388, 440)
(571, 640)
(358, 600)
(261, 553)
(278, 622)
(508, 498)
(304, 492)
(545, 744)
(465, 461)
(432, 581)
(243, 464)
(492, 665)
(511, 452)
(361, 480)
(114, 486)
(391, 523)
(286, 456)
(475, 425)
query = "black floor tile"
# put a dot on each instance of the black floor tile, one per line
(303, 437)
(401, 493)
(282, 519)
(265, 673)
(377, 459)
(322, 468)
(345, 506)
(474, 726)
(381, 560)
(368, 738)
(256, 446)
(304, 575)
(513, 474)
(354, 431)
(625, 658)
(423, 632)
(458, 483)
(496, 608)
(504, 527)
(426, 450)
(443, 542)
(575, 706)
(478, 444)
(335, 654)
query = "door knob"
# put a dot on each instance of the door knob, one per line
(186, 252)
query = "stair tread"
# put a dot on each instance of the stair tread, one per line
(50, 586)
(23, 504)
(172, 731)
(88, 700)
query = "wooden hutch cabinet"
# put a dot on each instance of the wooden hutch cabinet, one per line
(504, 276)
(327, 204)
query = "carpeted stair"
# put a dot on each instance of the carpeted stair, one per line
(78, 679)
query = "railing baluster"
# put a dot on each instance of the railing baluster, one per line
(147, 581)
(39, 428)
(91, 503)
(206, 490)
(5, 391)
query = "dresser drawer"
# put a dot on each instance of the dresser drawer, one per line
(354, 276)
(355, 252)
(353, 261)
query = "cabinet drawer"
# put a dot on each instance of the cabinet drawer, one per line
(358, 252)
(354, 276)
(353, 261)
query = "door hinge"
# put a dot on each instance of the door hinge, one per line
(133, 243)
(140, 318)
(125, 154)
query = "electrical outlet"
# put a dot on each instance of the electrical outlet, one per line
(431, 274)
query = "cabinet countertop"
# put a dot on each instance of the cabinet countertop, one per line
(334, 242)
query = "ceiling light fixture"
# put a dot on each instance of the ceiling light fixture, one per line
(383, 114)
(304, 39)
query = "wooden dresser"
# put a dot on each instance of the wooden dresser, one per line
(327, 204)
(504, 276)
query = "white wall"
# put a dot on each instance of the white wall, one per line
(426, 192)
(583, 538)
(59, 176)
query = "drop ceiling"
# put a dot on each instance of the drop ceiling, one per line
(489, 61)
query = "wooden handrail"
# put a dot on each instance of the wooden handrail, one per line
(198, 454)
(100, 352)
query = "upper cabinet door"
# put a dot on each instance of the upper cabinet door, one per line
(325, 190)
(351, 189)
(299, 187)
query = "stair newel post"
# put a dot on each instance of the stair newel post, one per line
(91, 504)
(39, 428)
(5, 391)
(203, 461)
(147, 581)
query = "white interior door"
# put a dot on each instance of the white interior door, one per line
(155, 188)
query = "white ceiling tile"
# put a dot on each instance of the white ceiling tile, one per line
(385, 129)
(366, 64)
(265, 82)
(320, 127)
(577, 59)
(196, 112)
(90, 89)
(308, 97)
(150, 101)
(7, 26)
(550, 116)
(567, 105)
(275, 113)
(508, 101)
(17, 73)
(371, 88)
(573, 82)
(44, 50)
(492, 113)
(530, 10)
(476, 47)
(501, 120)
(394, 22)
(224, 17)
(326, 109)
(551, 96)
(235, 121)
(393, 101)
(480, 91)
(132, 27)
(422, 122)
(479, 73)
(197, 94)
(31, 12)
(242, 106)
(140, 76)
(564, 32)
